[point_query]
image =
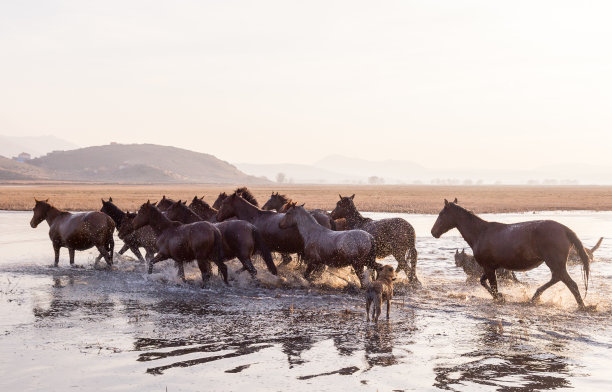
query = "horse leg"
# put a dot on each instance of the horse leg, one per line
(111, 250)
(158, 257)
(358, 268)
(104, 253)
(181, 271)
(124, 248)
(136, 251)
(223, 269)
(402, 264)
(56, 250)
(541, 289)
(150, 253)
(489, 274)
(71, 254)
(309, 268)
(368, 303)
(205, 269)
(413, 263)
(388, 307)
(247, 265)
(573, 287)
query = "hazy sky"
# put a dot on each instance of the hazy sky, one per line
(445, 84)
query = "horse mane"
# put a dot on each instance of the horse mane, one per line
(201, 202)
(283, 198)
(246, 195)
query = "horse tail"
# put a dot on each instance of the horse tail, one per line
(583, 256)
(264, 251)
(218, 246)
(593, 249)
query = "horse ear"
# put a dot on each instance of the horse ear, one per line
(46, 200)
(340, 196)
(149, 202)
(463, 250)
(352, 197)
(455, 201)
(185, 202)
(445, 202)
(202, 198)
(100, 199)
(195, 198)
(303, 204)
(36, 201)
(456, 251)
(110, 199)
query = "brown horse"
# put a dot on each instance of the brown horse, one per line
(76, 231)
(394, 236)
(135, 239)
(240, 238)
(203, 209)
(280, 203)
(164, 203)
(516, 247)
(242, 192)
(323, 246)
(183, 243)
(277, 239)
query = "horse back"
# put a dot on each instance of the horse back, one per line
(83, 230)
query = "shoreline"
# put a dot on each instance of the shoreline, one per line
(420, 199)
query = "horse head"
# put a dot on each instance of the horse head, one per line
(446, 219)
(344, 207)
(41, 208)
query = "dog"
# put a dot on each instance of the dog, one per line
(575, 259)
(380, 290)
(474, 271)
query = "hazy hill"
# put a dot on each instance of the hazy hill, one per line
(11, 146)
(301, 174)
(140, 163)
(13, 170)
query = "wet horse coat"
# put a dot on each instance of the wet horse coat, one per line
(80, 231)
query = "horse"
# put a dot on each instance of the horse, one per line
(240, 238)
(280, 203)
(242, 192)
(394, 236)
(285, 241)
(516, 247)
(80, 231)
(164, 203)
(323, 246)
(135, 239)
(183, 243)
(203, 209)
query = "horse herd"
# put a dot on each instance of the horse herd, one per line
(235, 227)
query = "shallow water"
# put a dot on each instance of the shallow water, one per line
(88, 329)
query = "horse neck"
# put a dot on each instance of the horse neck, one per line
(53, 213)
(308, 226)
(245, 210)
(355, 219)
(470, 226)
(159, 222)
(116, 215)
(204, 212)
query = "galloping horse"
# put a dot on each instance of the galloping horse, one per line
(203, 209)
(323, 246)
(199, 241)
(164, 203)
(76, 231)
(277, 239)
(394, 236)
(516, 247)
(240, 238)
(242, 192)
(280, 203)
(143, 237)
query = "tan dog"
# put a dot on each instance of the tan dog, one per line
(379, 291)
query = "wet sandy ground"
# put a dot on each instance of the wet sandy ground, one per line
(86, 329)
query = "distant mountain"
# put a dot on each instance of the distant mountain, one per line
(140, 163)
(36, 146)
(302, 174)
(13, 170)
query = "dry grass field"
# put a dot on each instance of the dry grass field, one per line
(411, 199)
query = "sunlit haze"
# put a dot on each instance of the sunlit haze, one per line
(445, 84)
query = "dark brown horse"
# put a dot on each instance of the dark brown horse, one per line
(135, 239)
(516, 247)
(240, 238)
(277, 239)
(183, 243)
(76, 231)
(394, 236)
(323, 246)
(281, 203)
(242, 192)
(203, 209)
(164, 203)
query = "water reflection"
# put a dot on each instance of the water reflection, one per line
(501, 362)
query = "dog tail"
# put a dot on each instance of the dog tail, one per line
(593, 249)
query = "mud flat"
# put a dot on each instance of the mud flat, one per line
(408, 199)
(86, 329)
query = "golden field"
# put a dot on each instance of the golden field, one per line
(389, 198)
